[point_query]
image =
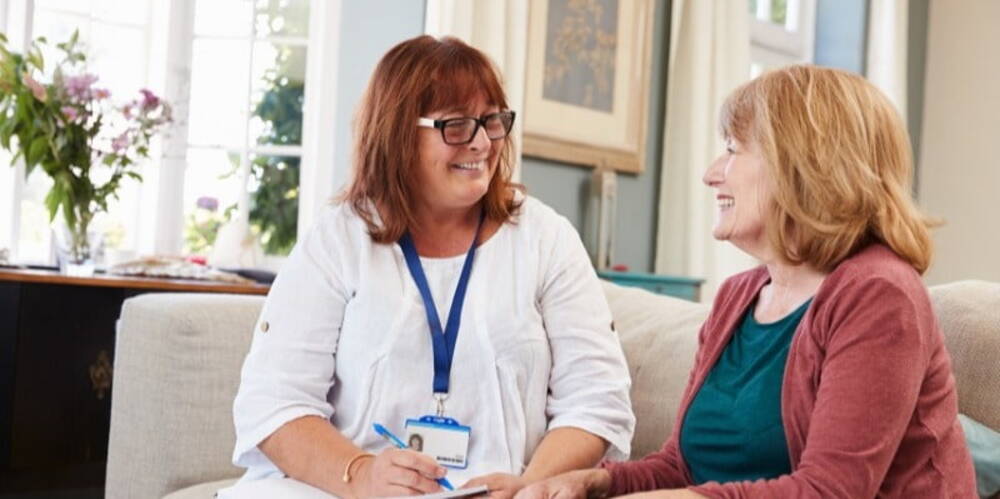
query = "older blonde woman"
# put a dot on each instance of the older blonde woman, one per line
(821, 373)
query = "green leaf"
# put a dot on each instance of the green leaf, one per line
(39, 146)
(53, 199)
(6, 131)
(35, 59)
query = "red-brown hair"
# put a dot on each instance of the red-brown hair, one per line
(416, 77)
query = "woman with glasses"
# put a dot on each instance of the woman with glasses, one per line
(433, 299)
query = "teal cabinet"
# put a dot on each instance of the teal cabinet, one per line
(680, 287)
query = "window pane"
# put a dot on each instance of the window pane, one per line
(219, 86)
(274, 201)
(34, 236)
(78, 6)
(779, 8)
(119, 57)
(57, 27)
(7, 181)
(122, 11)
(282, 18)
(278, 85)
(113, 34)
(213, 184)
(223, 18)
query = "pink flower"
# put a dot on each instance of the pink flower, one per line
(70, 113)
(149, 99)
(101, 93)
(127, 110)
(120, 142)
(36, 88)
(78, 87)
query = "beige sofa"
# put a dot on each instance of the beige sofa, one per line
(178, 359)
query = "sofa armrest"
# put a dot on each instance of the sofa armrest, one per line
(969, 314)
(176, 372)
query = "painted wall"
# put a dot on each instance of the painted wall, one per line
(565, 187)
(916, 67)
(841, 27)
(959, 165)
(368, 30)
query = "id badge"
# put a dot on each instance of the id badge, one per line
(442, 438)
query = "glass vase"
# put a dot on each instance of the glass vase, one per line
(78, 250)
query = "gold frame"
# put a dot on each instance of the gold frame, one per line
(585, 136)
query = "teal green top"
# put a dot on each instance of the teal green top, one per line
(732, 431)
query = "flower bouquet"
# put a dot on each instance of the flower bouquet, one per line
(69, 128)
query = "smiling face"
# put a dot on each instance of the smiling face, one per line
(742, 195)
(454, 177)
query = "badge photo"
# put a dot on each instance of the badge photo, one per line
(442, 438)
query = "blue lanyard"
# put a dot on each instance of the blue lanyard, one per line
(443, 341)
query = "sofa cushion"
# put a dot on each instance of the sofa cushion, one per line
(659, 335)
(201, 491)
(177, 368)
(969, 313)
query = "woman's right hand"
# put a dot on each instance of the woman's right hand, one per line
(397, 472)
(577, 484)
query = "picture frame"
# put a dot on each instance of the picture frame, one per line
(587, 82)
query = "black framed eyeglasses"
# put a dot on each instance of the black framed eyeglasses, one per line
(461, 131)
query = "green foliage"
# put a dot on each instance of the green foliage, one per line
(65, 128)
(274, 205)
(202, 227)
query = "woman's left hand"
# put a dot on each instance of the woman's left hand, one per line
(501, 485)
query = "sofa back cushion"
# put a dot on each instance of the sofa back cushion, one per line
(969, 313)
(177, 368)
(659, 335)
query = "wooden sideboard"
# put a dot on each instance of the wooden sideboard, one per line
(57, 339)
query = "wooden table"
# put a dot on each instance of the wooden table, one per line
(57, 337)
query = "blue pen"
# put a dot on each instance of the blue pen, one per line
(386, 434)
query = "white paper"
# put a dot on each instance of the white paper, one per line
(450, 494)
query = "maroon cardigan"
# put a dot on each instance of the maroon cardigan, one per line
(868, 400)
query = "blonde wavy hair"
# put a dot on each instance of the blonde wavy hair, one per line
(840, 163)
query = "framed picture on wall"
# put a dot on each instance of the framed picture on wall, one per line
(587, 82)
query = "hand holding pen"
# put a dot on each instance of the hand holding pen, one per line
(386, 434)
(396, 473)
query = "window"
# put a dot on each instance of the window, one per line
(235, 72)
(245, 124)
(115, 35)
(781, 33)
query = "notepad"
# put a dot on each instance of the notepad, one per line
(453, 494)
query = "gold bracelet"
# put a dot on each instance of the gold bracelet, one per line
(347, 469)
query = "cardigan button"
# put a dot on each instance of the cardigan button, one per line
(264, 326)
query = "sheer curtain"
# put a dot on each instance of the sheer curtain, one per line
(709, 56)
(887, 48)
(500, 29)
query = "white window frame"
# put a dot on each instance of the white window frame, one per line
(171, 42)
(17, 19)
(776, 45)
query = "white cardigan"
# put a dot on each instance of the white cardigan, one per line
(344, 335)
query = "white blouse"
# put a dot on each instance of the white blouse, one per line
(343, 335)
